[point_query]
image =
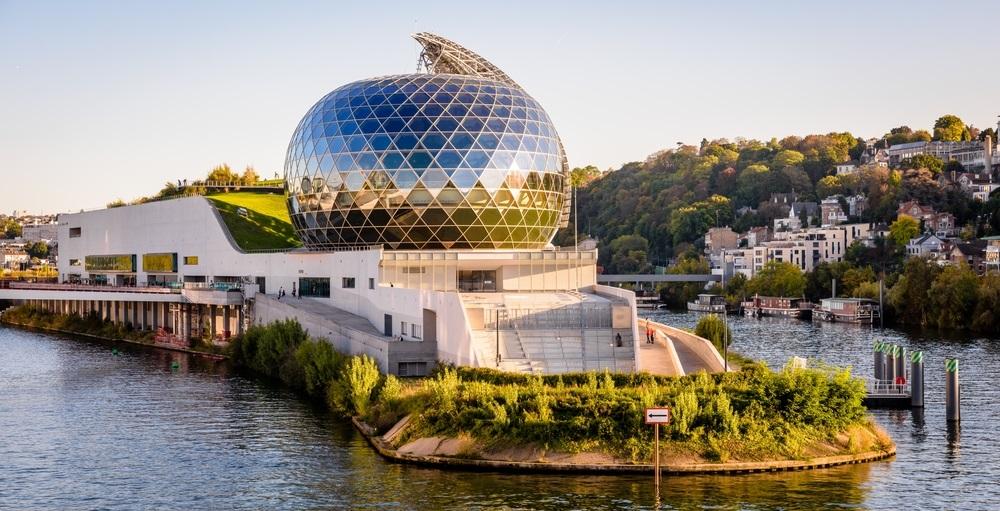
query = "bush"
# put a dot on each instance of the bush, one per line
(361, 375)
(713, 328)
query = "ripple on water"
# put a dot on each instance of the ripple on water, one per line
(85, 429)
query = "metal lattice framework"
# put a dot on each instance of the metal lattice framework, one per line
(457, 160)
(445, 56)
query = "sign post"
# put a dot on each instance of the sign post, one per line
(656, 416)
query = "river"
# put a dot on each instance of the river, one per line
(85, 428)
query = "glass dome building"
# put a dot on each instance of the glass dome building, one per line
(427, 161)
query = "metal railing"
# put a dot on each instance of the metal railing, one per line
(887, 388)
(570, 317)
(156, 289)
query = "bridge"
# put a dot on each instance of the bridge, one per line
(656, 278)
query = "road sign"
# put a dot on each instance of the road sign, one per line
(657, 415)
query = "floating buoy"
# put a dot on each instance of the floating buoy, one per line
(114, 351)
(175, 365)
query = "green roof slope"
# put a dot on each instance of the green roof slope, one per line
(267, 224)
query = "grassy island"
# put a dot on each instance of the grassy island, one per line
(755, 414)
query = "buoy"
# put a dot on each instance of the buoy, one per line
(175, 365)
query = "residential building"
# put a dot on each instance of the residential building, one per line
(757, 235)
(856, 204)
(972, 253)
(848, 167)
(941, 224)
(925, 245)
(12, 258)
(720, 238)
(40, 232)
(831, 212)
(942, 150)
(992, 255)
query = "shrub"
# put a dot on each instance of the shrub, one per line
(361, 375)
(713, 328)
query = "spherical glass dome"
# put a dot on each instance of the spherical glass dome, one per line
(426, 161)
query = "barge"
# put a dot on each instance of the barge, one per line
(847, 310)
(760, 306)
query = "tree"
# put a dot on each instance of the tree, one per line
(582, 176)
(249, 176)
(223, 174)
(788, 158)
(829, 185)
(11, 229)
(953, 297)
(778, 278)
(677, 294)
(986, 317)
(711, 327)
(909, 297)
(988, 132)
(628, 254)
(38, 249)
(950, 128)
(903, 230)
(923, 161)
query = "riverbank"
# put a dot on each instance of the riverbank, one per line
(22, 317)
(454, 453)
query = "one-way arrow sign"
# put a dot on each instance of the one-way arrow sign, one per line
(657, 415)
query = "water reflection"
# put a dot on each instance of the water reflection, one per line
(98, 430)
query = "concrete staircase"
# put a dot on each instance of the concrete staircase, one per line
(512, 354)
(556, 351)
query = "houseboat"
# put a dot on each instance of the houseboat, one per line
(710, 303)
(847, 310)
(760, 306)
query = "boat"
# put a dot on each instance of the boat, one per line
(710, 303)
(760, 306)
(847, 310)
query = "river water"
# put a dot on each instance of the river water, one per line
(84, 428)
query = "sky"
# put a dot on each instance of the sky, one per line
(108, 100)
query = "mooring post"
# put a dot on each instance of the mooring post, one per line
(879, 361)
(890, 363)
(917, 379)
(900, 362)
(952, 393)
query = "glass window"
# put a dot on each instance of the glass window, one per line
(415, 331)
(403, 330)
(473, 281)
(313, 286)
(371, 283)
(75, 232)
(347, 282)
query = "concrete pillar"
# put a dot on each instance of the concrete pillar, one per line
(952, 391)
(890, 363)
(239, 320)
(879, 361)
(227, 319)
(901, 362)
(213, 314)
(187, 321)
(917, 379)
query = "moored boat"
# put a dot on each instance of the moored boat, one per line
(847, 310)
(759, 306)
(707, 302)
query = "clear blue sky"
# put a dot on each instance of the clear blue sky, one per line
(106, 100)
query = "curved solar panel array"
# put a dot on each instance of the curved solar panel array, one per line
(425, 161)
